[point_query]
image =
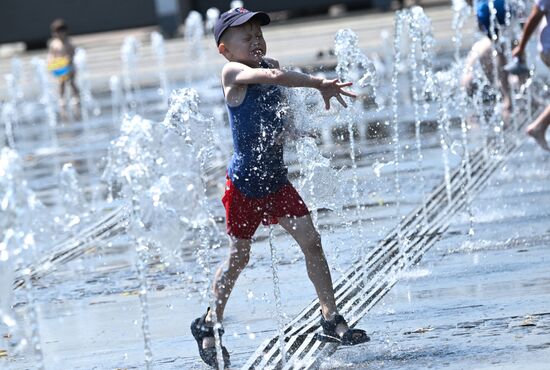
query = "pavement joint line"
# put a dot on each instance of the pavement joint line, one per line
(483, 172)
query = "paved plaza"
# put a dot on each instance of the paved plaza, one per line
(466, 287)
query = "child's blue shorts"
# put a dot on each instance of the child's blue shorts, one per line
(484, 15)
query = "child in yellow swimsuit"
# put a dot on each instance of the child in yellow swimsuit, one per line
(60, 61)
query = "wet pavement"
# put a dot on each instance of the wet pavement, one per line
(480, 301)
(476, 301)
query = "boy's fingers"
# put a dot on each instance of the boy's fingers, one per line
(341, 100)
(351, 94)
(327, 103)
(345, 84)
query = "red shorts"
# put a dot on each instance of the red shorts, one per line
(243, 215)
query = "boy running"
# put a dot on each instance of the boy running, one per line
(257, 188)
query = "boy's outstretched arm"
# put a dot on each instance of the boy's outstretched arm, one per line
(235, 74)
(530, 26)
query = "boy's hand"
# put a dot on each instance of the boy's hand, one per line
(517, 52)
(330, 88)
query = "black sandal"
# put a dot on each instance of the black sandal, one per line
(350, 338)
(200, 330)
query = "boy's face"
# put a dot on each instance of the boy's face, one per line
(244, 44)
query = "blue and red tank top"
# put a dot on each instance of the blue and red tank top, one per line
(257, 168)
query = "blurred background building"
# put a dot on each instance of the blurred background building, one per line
(28, 21)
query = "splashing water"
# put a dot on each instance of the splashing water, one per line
(513, 21)
(87, 101)
(18, 218)
(10, 114)
(212, 15)
(421, 34)
(194, 34)
(9, 117)
(184, 118)
(398, 29)
(9, 174)
(497, 45)
(148, 156)
(129, 56)
(236, 4)
(461, 13)
(277, 295)
(15, 90)
(443, 89)
(157, 43)
(482, 82)
(118, 107)
(46, 93)
(127, 152)
(354, 66)
(319, 184)
(72, 200)
(87, 105)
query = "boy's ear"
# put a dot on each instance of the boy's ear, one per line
(221, 48)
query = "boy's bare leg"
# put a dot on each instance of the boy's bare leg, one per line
(74, 88)
(309, 240)
(62, 102)
(75, 98)
(76, 91)
(61, 90)
(505, 89)
(225, 278)
(481, 51)
(537, 129)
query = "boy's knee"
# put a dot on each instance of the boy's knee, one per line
(240, 262)
(316, 237)
(313, 240)
(239, 257)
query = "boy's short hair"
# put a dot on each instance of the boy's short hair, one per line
(59, 25)
(236, 17)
